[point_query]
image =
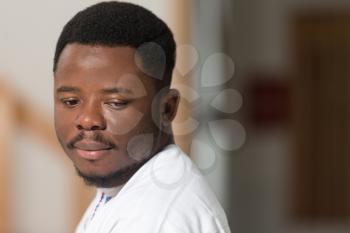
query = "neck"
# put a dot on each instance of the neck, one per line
(120, 178)
(163, 139)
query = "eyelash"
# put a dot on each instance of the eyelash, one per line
(113, 104)
(68, 102)
(117, 105)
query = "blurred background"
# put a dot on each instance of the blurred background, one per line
(265, 112)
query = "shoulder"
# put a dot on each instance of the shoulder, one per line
(178, 196)
(169, 194)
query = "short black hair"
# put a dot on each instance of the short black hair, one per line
(123, 24)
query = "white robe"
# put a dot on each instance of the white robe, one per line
(166, 195)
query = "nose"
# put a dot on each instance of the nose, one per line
(91, 118)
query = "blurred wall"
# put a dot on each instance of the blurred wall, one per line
(260, 41)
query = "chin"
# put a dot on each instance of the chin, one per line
(101, 178)
(97, 180)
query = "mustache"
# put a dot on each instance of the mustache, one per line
(96, 137)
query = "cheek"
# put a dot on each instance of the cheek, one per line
(123, 121)
(63, 122)
(137, 129)
(59, 128)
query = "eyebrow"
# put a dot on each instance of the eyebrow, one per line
(112, 90)
(67, 89)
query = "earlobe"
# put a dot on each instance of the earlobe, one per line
(171, 103)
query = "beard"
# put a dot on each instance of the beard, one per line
(113, 179)
(141, 148)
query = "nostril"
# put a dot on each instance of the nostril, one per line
(91, 126)
(95, 127)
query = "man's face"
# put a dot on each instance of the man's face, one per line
(103, 116)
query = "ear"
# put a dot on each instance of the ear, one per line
(170, 105)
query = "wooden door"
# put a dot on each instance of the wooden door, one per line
(322, 94)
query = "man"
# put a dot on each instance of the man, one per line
(113, 110)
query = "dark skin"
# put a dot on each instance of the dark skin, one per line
(109, 117)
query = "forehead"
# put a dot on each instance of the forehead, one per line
(100, 66)
(86, 56)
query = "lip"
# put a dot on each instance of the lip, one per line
(91, 150)
(91, 145)
(92, 154)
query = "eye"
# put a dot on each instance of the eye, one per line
(117, 104)
(70, 102)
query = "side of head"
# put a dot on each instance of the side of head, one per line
(113, 106)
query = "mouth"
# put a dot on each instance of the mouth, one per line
(91, 150)
(92, 154)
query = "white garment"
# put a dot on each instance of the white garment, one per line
(166, 195)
